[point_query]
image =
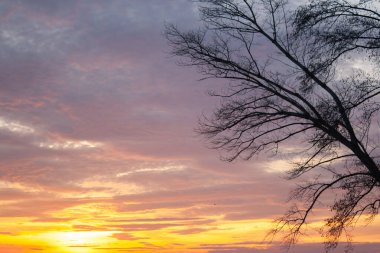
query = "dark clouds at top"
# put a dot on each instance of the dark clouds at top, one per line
(93, 70)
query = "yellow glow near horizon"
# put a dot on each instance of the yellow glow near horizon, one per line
(98, 228)
(162, 240)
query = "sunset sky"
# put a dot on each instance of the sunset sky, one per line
(98, 150)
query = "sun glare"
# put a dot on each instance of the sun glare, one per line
(80, 241)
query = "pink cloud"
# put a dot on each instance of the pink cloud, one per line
(125, 237)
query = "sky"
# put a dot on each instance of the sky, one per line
(98, 149)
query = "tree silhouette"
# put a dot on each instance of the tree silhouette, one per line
(292, 81)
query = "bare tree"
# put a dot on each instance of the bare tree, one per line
(291, 81)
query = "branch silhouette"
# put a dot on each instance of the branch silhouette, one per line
(290, 81)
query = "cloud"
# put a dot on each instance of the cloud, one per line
(190, 231)
(12, 248)
(69, 144)
(307, 247)
(48, 219)
(14, 194)
(39, 208)
(125, 237)
(15, 127)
